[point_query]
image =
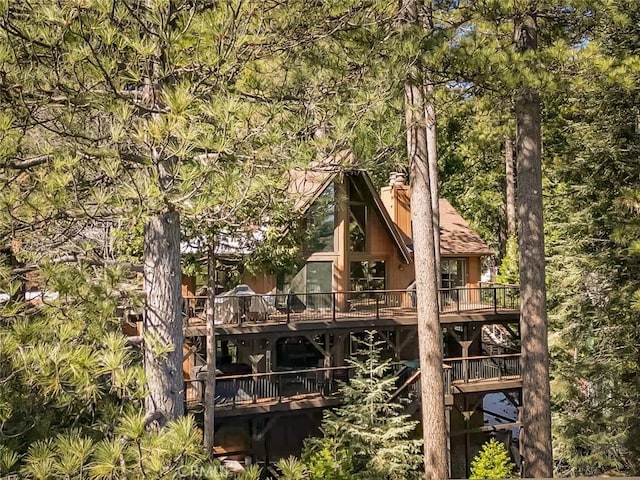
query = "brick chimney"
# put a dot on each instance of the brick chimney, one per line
(397, 200)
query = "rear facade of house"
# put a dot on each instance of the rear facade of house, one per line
(282, 340)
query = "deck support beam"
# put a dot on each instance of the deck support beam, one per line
(487, 428)
(318, 347)
(258, 435)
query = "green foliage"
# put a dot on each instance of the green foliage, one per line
(128, 242)
(292, 469)
(593, 268)
(492, 462)
(509, 272)
(329, 459)
(72, 390)
(472, 173)
(367, 437)
(8, 460)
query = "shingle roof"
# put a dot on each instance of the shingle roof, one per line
(456, 236)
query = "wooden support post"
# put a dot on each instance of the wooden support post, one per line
(327, 351)
(255, 360)
(394, 346)
(465, 363)
(337, 350)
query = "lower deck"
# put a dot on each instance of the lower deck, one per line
(258, 393)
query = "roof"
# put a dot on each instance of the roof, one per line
(457, 238)
(305, 186)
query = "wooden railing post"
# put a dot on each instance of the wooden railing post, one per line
(465, 370)
(377, 306)
(495, 300)
(457, 300)
(254, 385)
(279, 388)
(288, 307)
(235, 391)
(333, 300)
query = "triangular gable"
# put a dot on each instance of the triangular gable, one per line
(389, 224)
(305, 186)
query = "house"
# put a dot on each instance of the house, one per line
(282, 339)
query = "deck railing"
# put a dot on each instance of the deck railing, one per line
(288, 386)
(336, 306)
(476, 369)
(273, 387)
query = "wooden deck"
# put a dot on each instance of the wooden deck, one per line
(318, 388)
(346, 310)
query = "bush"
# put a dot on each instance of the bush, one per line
(492, 462)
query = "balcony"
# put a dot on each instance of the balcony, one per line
(272, 391)
(239, 310)
(318, 387)
(484, 373)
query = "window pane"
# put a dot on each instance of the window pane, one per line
(454, 272)
(319, 285)
(357, 228)
(321, 222)
(319, 277)
(367, 276)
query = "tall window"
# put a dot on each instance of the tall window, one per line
(357, 228)
(357, 219)
(312, 277)
(454, 272)
(321, 222)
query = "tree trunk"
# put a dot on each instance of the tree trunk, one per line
(432, 146)
(432, 153)
(510, 197)
(163, 318)
(429, 332)
(536, 413)
(210, 386)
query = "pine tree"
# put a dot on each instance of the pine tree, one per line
(492, 462)
(593, 262)
(174, 119)
(422, 214)
(509, 269)
(367, 437)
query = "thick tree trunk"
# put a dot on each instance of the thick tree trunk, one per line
(510, 196)
(163, 318)
(429, 332)
(536, 439)
(432, 153)
(210, 386)
(536, 411)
